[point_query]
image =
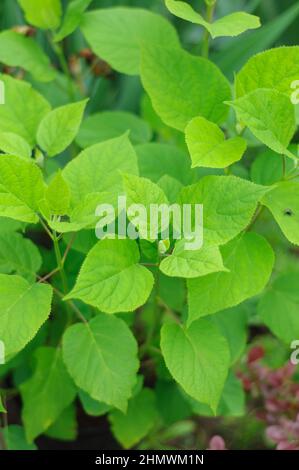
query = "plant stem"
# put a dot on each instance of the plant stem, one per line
(58, 49)
(206, 37)
(60, 263)
(283, 167)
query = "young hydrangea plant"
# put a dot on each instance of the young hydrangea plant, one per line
(143, 331)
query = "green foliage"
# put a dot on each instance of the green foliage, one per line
(89, 353)
(230, 25)
(47, 392)
(199, 368)
(117, 35)
(112, 321)
(163, 70)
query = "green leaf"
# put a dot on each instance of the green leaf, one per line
(58, 129)
(21, 188)
(208, 147)
(58, 195)
(93, 407)
(233, 325)
(171, 188)
(249, 259)
(140, 418)
(270, 116)
(13, 144)
(142, 191)
(192, 263)
(275, 69)
(23, 109)
(101, 356)
(111, 278)
(97, 168)
(82, 215)
(232, 402)
(110, 124)
(198, 359)
(229, 204)
(45, 14)
(230, 25)
(72, 18)
(15, 438)
(172, 404)
(156, 160)
(47, 393)
(24, 308)
(10, 225)
(65, 427)
(267, 168)
(19, 255)
(283, 202)
(182, 86)
(278, 307)
(17, 50)
(117, 34)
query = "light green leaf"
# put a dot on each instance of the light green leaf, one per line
(45, 14)
(58, 129)
(21, 188)
(276, 69)
(111, 278)
(72, 18)
(117, 34)
(58, 195)
(270, 116)
(192, 263)
(156, 160)
(93, 407)
(142, 191)
(17, 50)
(19, 255)
(82, 215)
(283, 202)
(140, 418)
(249, 259)
(23, 109)
(15, 438)
(47, 393)
(230, 25)
(208, 147)
(13, 144)
(278, 307)
(198, 359)
(229, 204)
(110, 124)
(97, 168)
(24, 308)
(101, 356)
(65, 427)
(182, 86)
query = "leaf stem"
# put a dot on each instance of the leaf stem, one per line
(58, 49)
(206, 37)
(60, 263)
